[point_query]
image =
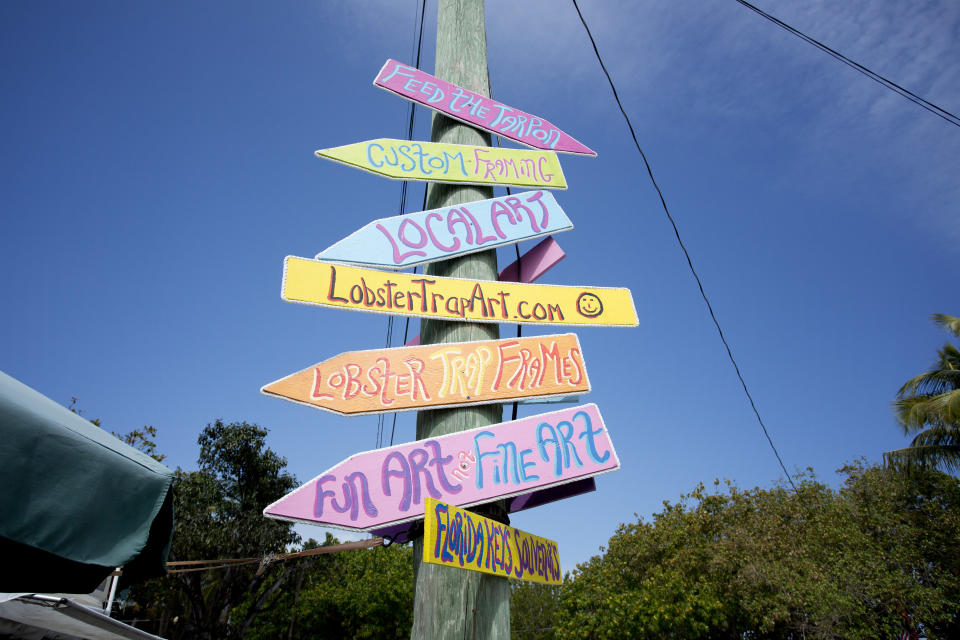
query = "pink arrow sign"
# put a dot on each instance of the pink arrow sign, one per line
(377, 490)
(466, 106)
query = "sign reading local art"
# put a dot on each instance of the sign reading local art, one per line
(418, 238)
(453, 163)
(320, 283)
(479, 111)
(376, 489)
(455, 537)
(439, 375)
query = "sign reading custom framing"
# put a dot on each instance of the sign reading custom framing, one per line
(454, 537)
(466, 106)
(417, 238)
(451, 163)
(440, 375)
(308, 281)
(377, 489)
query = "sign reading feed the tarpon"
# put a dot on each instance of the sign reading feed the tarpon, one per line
(405, 241)
(314, 282)
(452, 163)
(479, 111)
(440, 375)
(376, 489)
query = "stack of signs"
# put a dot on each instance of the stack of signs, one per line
(526, 462)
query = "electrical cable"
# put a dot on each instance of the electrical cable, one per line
(876, 77)
(381, 419)
(686, 253)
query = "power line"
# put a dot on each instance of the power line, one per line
(683, 247)
(381, 419)
(876, 77)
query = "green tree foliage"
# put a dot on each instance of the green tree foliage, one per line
(533, 610)
(928, 405)
(218, 515)
(868, 561)
(143, 439)
(349, 594)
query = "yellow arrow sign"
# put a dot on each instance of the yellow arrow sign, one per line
(455, 537)
(321, 283)
(453, 163)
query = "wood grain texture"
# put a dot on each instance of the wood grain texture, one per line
(449, 603)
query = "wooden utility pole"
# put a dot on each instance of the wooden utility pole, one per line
(450, 603)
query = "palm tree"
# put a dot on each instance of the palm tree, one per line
(929, 405)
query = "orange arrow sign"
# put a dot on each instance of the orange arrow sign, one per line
(440, 375)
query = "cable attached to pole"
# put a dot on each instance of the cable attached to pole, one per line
(381, 419)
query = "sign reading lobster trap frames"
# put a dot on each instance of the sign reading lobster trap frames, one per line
(440, 375)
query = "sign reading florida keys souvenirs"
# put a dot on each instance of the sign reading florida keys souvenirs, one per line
(417, 238)
(455, 537)
(466, 106)
(322, 283)
(373, 490)
(440, 375)
(452, 163)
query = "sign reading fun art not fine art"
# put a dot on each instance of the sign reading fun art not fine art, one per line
(374, 490)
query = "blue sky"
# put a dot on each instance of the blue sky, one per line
(157, 165)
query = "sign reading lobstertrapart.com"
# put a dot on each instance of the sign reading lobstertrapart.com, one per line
(339, 286)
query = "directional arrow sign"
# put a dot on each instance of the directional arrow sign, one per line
(417, 238)
(536, 262)
(440, 375)
(453, 163)
(321, 283)
(378, 489)
(455, 537)
(466, 106)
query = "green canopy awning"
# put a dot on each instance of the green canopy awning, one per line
(75, 502)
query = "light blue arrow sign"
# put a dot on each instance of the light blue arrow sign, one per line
(427, 236)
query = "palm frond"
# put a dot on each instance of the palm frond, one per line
(942, 436)
(925, 457)
(916, 412)
(931, 382)
(950, 323)
(929, 405)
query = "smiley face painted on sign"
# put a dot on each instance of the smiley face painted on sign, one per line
(589, 305)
